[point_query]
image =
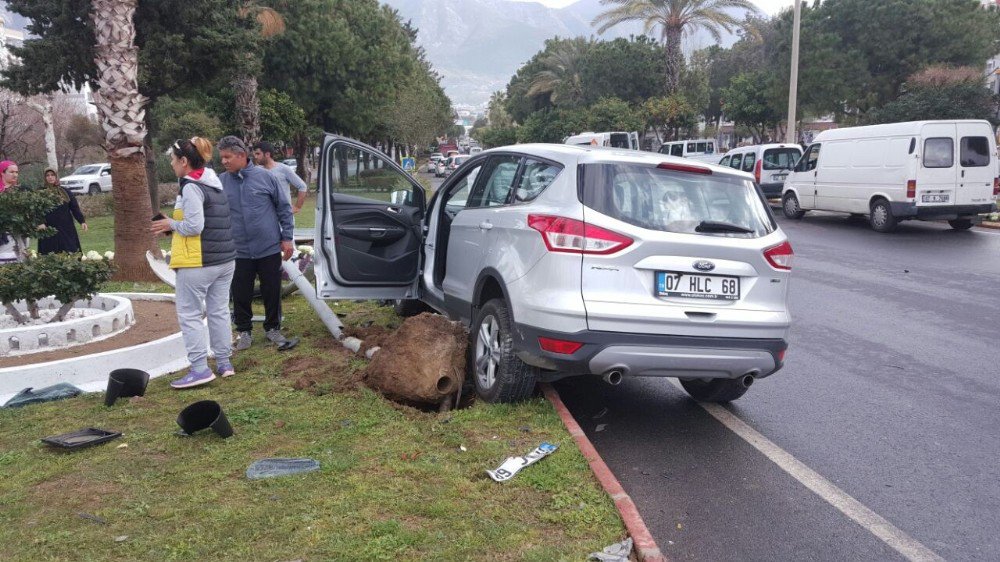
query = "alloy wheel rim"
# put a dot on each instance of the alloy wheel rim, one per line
(878, 215)
(488, 352)
(791, 205)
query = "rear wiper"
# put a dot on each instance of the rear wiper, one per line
(712, 226)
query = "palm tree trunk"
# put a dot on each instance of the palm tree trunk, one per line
(674, 58)
(247, 108)
(122, 111)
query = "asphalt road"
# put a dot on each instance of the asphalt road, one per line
(890, 392)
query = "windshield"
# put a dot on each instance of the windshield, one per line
(86, 171)
(671, 201)
(620, 140)
(781, 158)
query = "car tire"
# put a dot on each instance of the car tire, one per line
(94, 189)
(790, 206)
(714, 390)
(406, 308)
(491, 350)
(881, 218)
(961, 224)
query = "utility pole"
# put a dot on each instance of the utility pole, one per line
(793, 86)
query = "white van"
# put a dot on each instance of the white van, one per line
(702, 150)
(926, 170)
(769, 164)
(617, 139)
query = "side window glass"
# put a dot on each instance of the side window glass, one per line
(458, 196)
(939, 152)
(536, 177)
(677, 149)
(809, 160)
(748, 161)
(497, 181)
(364, 174)
(975, 152)
(724, 161)
(710, 148)
(737, 161)
(692, 147)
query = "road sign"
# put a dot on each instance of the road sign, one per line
(409, 164)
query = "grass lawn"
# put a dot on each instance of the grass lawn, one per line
(394, 483)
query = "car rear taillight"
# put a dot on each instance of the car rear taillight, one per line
(996, 187)
(756, 171)
(781, 355)
(911, 189)
(684, 168)
(576, 237)
(780, 256)
(562, 347)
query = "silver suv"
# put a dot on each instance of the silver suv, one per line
(566, 260)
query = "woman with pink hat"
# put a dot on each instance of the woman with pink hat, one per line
(8, 181)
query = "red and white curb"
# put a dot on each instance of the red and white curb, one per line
(645, 546)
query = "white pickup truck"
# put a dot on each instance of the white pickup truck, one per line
(90, 179)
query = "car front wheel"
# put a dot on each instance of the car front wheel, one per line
(94, 189)
(715, 390)
(790, 206)
(498, 374)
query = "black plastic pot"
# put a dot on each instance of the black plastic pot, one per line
(203, 415)
(123, 383)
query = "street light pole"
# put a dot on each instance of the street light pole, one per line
(793, 86)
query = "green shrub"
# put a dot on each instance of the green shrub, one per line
(22, 210)
(67, 277)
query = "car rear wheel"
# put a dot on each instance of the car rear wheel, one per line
(94, 189)
(497, 373)
(881, 217)
(961, 224)
(790, 206)
(715, 390)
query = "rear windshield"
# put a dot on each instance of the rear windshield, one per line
(620, 140)
(670, 201)
(975, 152)
(781, 158)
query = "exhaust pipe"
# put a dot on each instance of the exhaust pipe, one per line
(748, 379)
(613, 377)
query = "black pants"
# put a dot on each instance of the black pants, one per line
(268, 269)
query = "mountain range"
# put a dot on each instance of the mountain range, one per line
(477, 45)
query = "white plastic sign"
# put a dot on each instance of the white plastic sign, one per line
(513, 465)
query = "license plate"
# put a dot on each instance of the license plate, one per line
(694, 286)
(934, 198)
(780, 177)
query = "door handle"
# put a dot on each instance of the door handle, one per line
(376, 231)
(396, 210)
(486, 225)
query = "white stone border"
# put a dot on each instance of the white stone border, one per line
(115, 317)
(90, 372)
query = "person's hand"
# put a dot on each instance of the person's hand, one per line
(84, 227)
(286, 249)
(295, 210)
(161, 226)
(41, 227)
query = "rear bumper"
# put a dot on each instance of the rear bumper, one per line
(649, 355)
(910, 210)
(772, 190)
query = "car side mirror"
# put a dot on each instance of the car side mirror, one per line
(401, 197)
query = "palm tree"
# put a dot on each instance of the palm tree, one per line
(561, 75)
(270, 23)
(122, 112)
(675, 18)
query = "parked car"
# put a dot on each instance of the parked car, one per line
(473, 150)
(292, 163)
(432, 162)
(618, 139)
(454, 162)
(441, 166)
(90, 179)
(769, 164)
(925, 170)
(702, 150)
(565, 260)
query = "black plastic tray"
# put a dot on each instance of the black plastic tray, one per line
(82, 438)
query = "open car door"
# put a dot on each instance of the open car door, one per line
(368, 224)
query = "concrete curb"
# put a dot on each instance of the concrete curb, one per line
(645, 546)
(990, 225)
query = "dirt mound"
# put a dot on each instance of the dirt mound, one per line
(322, 375)
(421, 362)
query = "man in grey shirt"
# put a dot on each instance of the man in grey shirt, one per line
(263, 156)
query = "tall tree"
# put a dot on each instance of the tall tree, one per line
(560, 75)
(628, 69)
(122, 110)
(675, 18)
(265, 23)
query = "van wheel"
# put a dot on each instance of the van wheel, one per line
(94, 189)
(714, 390)
(961, 224)
(881, 217)
(497, 373)
(790, 206)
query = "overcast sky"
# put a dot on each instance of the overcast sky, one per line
(768, 6)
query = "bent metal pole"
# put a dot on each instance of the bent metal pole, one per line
(326, 315)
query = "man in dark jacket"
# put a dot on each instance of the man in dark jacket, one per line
(262, 229)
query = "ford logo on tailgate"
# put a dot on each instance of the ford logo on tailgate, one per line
(704, 265)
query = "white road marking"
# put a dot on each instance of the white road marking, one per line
(874, 523)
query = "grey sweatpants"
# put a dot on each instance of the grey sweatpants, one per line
(208, 287)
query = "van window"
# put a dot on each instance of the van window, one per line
(749, 159)
(736, 161)
(701, 147)
(780, 158)
(692, 147)
(619, 140)
(536, 177)
(669, 201)
(710, 149)
(939, 152)
(677, 149)
(975, 152)
(809, 160)
(724, 161)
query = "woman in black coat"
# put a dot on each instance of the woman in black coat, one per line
(61, 218)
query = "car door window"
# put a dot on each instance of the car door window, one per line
(365, 174)
(809, 160)
(496, 183)
(536, 177)
(677, 149)
(939, 152)
(457, 197)
(975, 152)
(724, 161)
(748, 161)
(736, 161)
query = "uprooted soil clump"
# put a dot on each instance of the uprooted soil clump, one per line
(421, 362)
(331, 373)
